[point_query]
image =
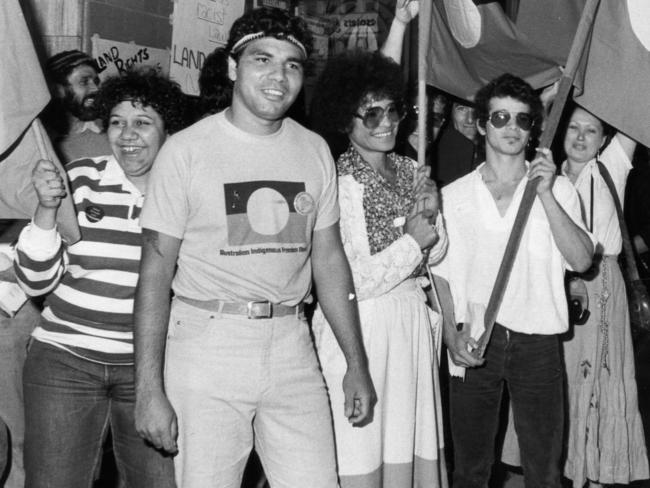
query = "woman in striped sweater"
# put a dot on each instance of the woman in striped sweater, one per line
(79, 375)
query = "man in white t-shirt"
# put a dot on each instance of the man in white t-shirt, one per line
(244, 204)
(523, 354)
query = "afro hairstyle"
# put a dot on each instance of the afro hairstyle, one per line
(350, 80)
(148, 88)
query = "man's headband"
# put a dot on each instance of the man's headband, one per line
(248, 38)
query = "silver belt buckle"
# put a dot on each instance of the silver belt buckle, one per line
(265, 313)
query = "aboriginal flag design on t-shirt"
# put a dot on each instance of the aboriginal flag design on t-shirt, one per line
(264, 212)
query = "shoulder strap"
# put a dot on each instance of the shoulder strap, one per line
(630, 262)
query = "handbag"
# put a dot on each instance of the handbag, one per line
(637, 295)
(577, 298)
(576, 290)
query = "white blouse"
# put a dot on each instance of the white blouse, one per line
(534, 300)
(377, 274)
(604, 225)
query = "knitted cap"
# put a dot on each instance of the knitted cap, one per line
(61, 65)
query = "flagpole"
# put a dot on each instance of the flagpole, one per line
(424, 34)
(424, 38)
(566, 81)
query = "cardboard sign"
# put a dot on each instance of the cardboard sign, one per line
(114, 58)
(199, 26)
(355, 31)
(283, 4)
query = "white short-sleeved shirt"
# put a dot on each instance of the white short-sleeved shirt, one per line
(605, 225)
(534, 300)
(245, 207)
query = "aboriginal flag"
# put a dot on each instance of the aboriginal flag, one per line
(23, 94)
(474, 42)
(267, 212)
(614, 83)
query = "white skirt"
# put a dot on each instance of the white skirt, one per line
(403, 444)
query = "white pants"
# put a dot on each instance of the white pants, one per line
(233, 382)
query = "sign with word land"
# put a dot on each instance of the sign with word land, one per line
(114, 58)
(198, 27)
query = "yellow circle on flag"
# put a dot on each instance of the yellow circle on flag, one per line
(464, 21)
(639, 12)
(268, 211)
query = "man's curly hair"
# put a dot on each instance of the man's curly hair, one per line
(350, 80)
(149, 88)
(273, 22)
(508, 85)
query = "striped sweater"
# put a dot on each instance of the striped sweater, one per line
(91, 284)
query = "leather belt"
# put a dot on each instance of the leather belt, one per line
(255, 309)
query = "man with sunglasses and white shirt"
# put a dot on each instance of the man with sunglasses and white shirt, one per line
(241, 213)
(523, 354)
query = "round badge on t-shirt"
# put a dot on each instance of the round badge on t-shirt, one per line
(304, 203)
(94, 213)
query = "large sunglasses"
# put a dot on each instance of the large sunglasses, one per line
(373, 116)
(500, 119)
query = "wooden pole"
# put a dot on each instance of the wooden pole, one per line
(424, 31)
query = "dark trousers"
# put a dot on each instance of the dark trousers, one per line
(69, 405)
(530, 366)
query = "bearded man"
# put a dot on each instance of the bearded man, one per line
(71, 116)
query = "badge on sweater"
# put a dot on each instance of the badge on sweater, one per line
(94, 213)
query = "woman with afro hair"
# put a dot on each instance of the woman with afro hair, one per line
(390, 227)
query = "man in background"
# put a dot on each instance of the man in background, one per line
(456, 148)
(71, 116)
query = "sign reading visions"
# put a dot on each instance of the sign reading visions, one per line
(199, 26)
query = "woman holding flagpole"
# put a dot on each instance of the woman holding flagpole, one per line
(390, 228)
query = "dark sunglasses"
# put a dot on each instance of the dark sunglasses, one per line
(372, 117)
(500, 119)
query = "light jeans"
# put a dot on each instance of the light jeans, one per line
(235, 382)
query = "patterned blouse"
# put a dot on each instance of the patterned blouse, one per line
(385, 205)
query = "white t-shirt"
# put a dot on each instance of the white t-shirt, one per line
(605, 227)
(245, 207)
(534, 301)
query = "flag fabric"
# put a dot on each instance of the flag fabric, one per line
(23, 91)
(474, 42)
(550, 25)
(23, 94)
(614, 84)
